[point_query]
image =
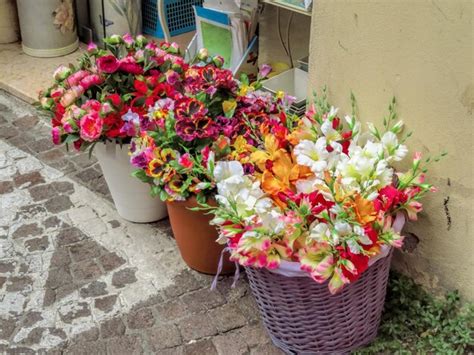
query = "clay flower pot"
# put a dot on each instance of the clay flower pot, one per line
(196, 238)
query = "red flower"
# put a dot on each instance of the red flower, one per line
(114, 99)
(129, 65)
(108, 64)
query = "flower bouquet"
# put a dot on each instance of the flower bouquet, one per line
(181, 139)
(314, 224)
(98, 101)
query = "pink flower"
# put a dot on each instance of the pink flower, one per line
(90, 80)
(56, 135)
(91, 127)
(108, 64)
(91, 47)
(185, 161)
(129, 65)
(218, 61)
(264, 70)
(71, 95)
(127, 39)
(61, 73)
(74, 79)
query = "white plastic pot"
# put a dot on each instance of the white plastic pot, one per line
(131, 196)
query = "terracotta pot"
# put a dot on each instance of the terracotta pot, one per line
(196, 238)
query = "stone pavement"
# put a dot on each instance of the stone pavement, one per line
(77, 279)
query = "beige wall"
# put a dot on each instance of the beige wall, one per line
(422, 52)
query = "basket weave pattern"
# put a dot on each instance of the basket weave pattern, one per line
(302, 317)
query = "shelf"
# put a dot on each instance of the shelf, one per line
(286, 6)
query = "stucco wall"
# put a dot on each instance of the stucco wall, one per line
(422, 52)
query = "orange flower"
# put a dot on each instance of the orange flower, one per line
(364, 209)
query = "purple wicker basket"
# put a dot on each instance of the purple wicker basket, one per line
(302, 317)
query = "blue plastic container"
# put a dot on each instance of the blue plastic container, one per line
(179, 15)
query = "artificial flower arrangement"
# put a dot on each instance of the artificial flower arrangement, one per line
(99, 98)
(321, 193)
(211, 119)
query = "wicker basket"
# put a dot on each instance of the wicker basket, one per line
(302, 317)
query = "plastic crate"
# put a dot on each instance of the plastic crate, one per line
(179, 15)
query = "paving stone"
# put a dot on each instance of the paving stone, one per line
(58, 204)
(183, 283)
(111, 261)
(86, 270)
(196, 326)
(112, 328)
(28, 179)
(171, 311)
(34, 336)
(3, 279)
(19, 350)
(88, 335)
(254, 335)
(94, 289)
(201, 347)
(142, 318)
(30, 318)
(124, 277)
(42, 192)
(231, 343)
(88, 175)
(60, 257)
(65, 290)
(87, 348)
(52, 222)
(58, 277)
(8, 132)
(83, 160)
(7, 326)
(267, 349)
(63, 186)
(26, 122)
(41, 145)
(227, 317)
(49, 297)
(52, 155)
(69, 235)
(85, 250)
(203, 299)
(114, 223)
(37, 244)
(126, 345)
(29, 212)
(7, 266)
(162, 337)
(19, 283)
(27, 230)
(105, 304)
(248, 307)
(6, 187)
(79, 310)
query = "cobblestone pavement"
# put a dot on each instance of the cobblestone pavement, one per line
(75, 278)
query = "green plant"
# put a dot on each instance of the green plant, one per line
(415, 322)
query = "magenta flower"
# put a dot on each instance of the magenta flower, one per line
(91, 47)
(108, 64)
(127, 39)
(56, 135)
(74, 79)
(129, 65)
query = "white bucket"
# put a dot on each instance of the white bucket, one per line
(131, 196)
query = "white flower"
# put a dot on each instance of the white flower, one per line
(312, 154)
(329, 132)
(319, 232)
(343, 228)
(225, 170)
(393, 149)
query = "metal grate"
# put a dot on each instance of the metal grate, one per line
(179, 15)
